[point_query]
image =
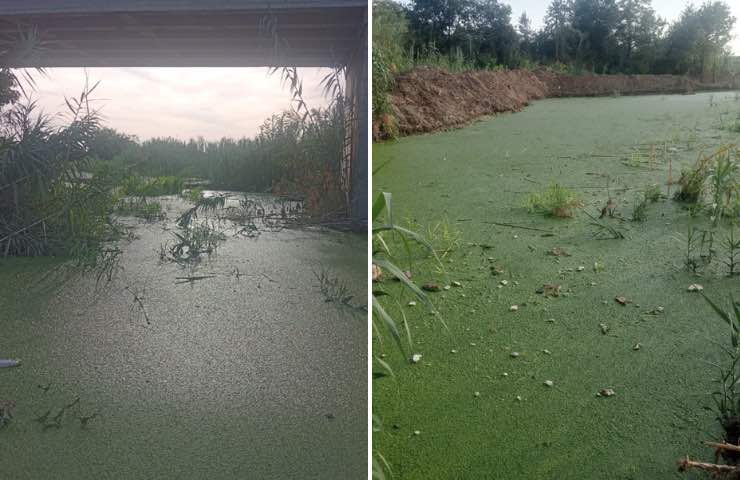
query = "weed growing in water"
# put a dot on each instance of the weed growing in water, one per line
(333, 289)
(651, 194)
(192, 242)
(603, 229)
(727, 396)
(723, 186)
(732, 246)
(138, 186)
(140, 207)
(639, 211)
(555, 200)
(193, 195)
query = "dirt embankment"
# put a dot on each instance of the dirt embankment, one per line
(427, 99)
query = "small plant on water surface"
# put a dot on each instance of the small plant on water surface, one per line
(443, 237)
(193, 195)
(720, 169)
(555, 200)
(192, 242)
(732, 246)
(140, 207)
(333, 289)
(651, 194)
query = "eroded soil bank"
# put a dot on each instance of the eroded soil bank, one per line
(428, 99)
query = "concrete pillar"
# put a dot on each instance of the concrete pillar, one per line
(357, 91)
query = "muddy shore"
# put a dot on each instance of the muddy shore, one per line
(428, 99)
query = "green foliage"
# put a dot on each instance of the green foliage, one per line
(556, 200)
(651, 194)
(732, 247)
(383, 322)
(191, 242)
(727, 396)
(290, 156)
(390, 29)
(193, 194)
(47, 204)
(138, 186)
(639, 211)
(140, 207)
(594, 36)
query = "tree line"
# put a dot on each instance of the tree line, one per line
(599, 36)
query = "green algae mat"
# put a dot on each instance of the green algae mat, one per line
(248, 372)
(511, 388)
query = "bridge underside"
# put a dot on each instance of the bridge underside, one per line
(211, 34)
(218, 33)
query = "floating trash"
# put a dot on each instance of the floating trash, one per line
(11, 362)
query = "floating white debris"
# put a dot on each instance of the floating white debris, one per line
(476, 394)
(606, 392)
(446, 287)
(504, 374)
(518, 398)
(547, 352)
(415, 358)
(504, 282)
(695, 287)
(549, 383)
(637, 346)
(581, 268)
(456, 284)
(412, 303)
(417, 432)
(514, 354)
(453, 351)
(514, 308)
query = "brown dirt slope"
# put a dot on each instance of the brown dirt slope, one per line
(427, 99)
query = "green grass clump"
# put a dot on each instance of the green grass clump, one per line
(555, 201)
(151, 187)
(193, 195)
(651, 194)
(140, 207)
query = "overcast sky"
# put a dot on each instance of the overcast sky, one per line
(223, 102)
(179, 102)
(668, 9)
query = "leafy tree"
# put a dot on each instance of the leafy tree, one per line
(489, 23)
(595, 22)
(436, 21)
(638, 35)
(559, 30)
(696, 41)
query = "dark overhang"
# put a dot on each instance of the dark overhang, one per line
(138, 33)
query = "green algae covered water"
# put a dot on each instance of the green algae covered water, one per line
(238, 375)
(482, 413)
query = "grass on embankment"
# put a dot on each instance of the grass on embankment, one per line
(484, 174)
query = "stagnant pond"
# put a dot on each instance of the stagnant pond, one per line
(246, 364)
(477, 404)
